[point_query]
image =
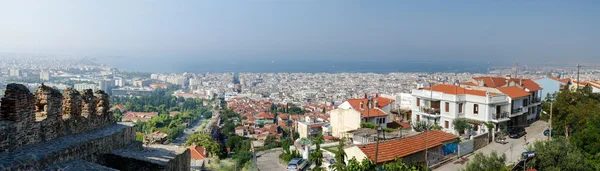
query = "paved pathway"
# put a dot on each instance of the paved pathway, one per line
(269, 160)
(512, 149)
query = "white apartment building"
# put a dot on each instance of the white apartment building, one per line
(443, 103)
(85, 86)
(44, 75)
(506, 102)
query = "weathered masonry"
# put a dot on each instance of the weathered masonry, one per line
(49, 130)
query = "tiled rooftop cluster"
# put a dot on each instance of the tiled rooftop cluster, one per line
(259, 111)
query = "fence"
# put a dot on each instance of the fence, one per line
(476, 143)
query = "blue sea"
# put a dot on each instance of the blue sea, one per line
(165, 65)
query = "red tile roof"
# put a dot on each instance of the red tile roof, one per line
(457, 90)
(513, 92)
(495, 82)
(529, 84)
(468, 83)
(139, 116)
(197, 152)
(564, 80)
(317, 125)
(389, 150)
(264, 115)
(381, 102)
(371, 112)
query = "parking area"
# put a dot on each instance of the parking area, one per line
(512, 149)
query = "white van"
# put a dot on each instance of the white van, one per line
(296, 164)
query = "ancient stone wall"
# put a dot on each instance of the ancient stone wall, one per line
(48, 130)
(27, 118)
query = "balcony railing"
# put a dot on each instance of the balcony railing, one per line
(536, 100)
(500, 116)
(431, 111)
(517, 110)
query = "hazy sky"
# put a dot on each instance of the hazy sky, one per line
(313, 29)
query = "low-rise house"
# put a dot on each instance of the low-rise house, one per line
(410, 149)
(240, 130)
(139, 116)
(552, 85)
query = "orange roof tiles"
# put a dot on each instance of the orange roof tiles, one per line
(468, 83)
(371, 112)
(456, 90)
(564, 80)
(513, 92)
(381, 101)
(197, 152)
(529, 84)
(389, 150)
(495, 82)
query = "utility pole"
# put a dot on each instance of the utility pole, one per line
(550, 133)
(578, 66)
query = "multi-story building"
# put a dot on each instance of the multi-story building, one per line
(84, 86)
(15, 72)
(506, 102)
(524, 96)
(45, 75)
(443, 103)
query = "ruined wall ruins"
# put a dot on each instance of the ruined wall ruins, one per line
(47, 130)
(27, 118)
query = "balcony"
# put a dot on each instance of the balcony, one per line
(535, 101)
(518, 111)
(430, 112)
(500, 117)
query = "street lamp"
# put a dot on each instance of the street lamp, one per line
(377, 144)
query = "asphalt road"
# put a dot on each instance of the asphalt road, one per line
(269, 160)
(180, 141)
(512, 149)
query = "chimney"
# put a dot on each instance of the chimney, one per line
(376, 104)
(365, 95)
(376, 95)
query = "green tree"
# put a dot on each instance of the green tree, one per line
(460, 125)
(205, 141)
(588, 140)
(557, 154)
(340, 157)
(399, 165)
(234, 142)
(483, 162)
(421, 126)
(316, 157)
(364, 165)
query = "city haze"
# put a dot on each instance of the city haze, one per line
(272, 30)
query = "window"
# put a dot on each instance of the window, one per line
(475, 109)
(418, 117)
(418, 102)
(460, 108)
(380, 120)
(447, 107)
(446, 124)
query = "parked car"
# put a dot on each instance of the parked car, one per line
(547, 131)
(517, 132)
(331, 161)
(296, 164)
